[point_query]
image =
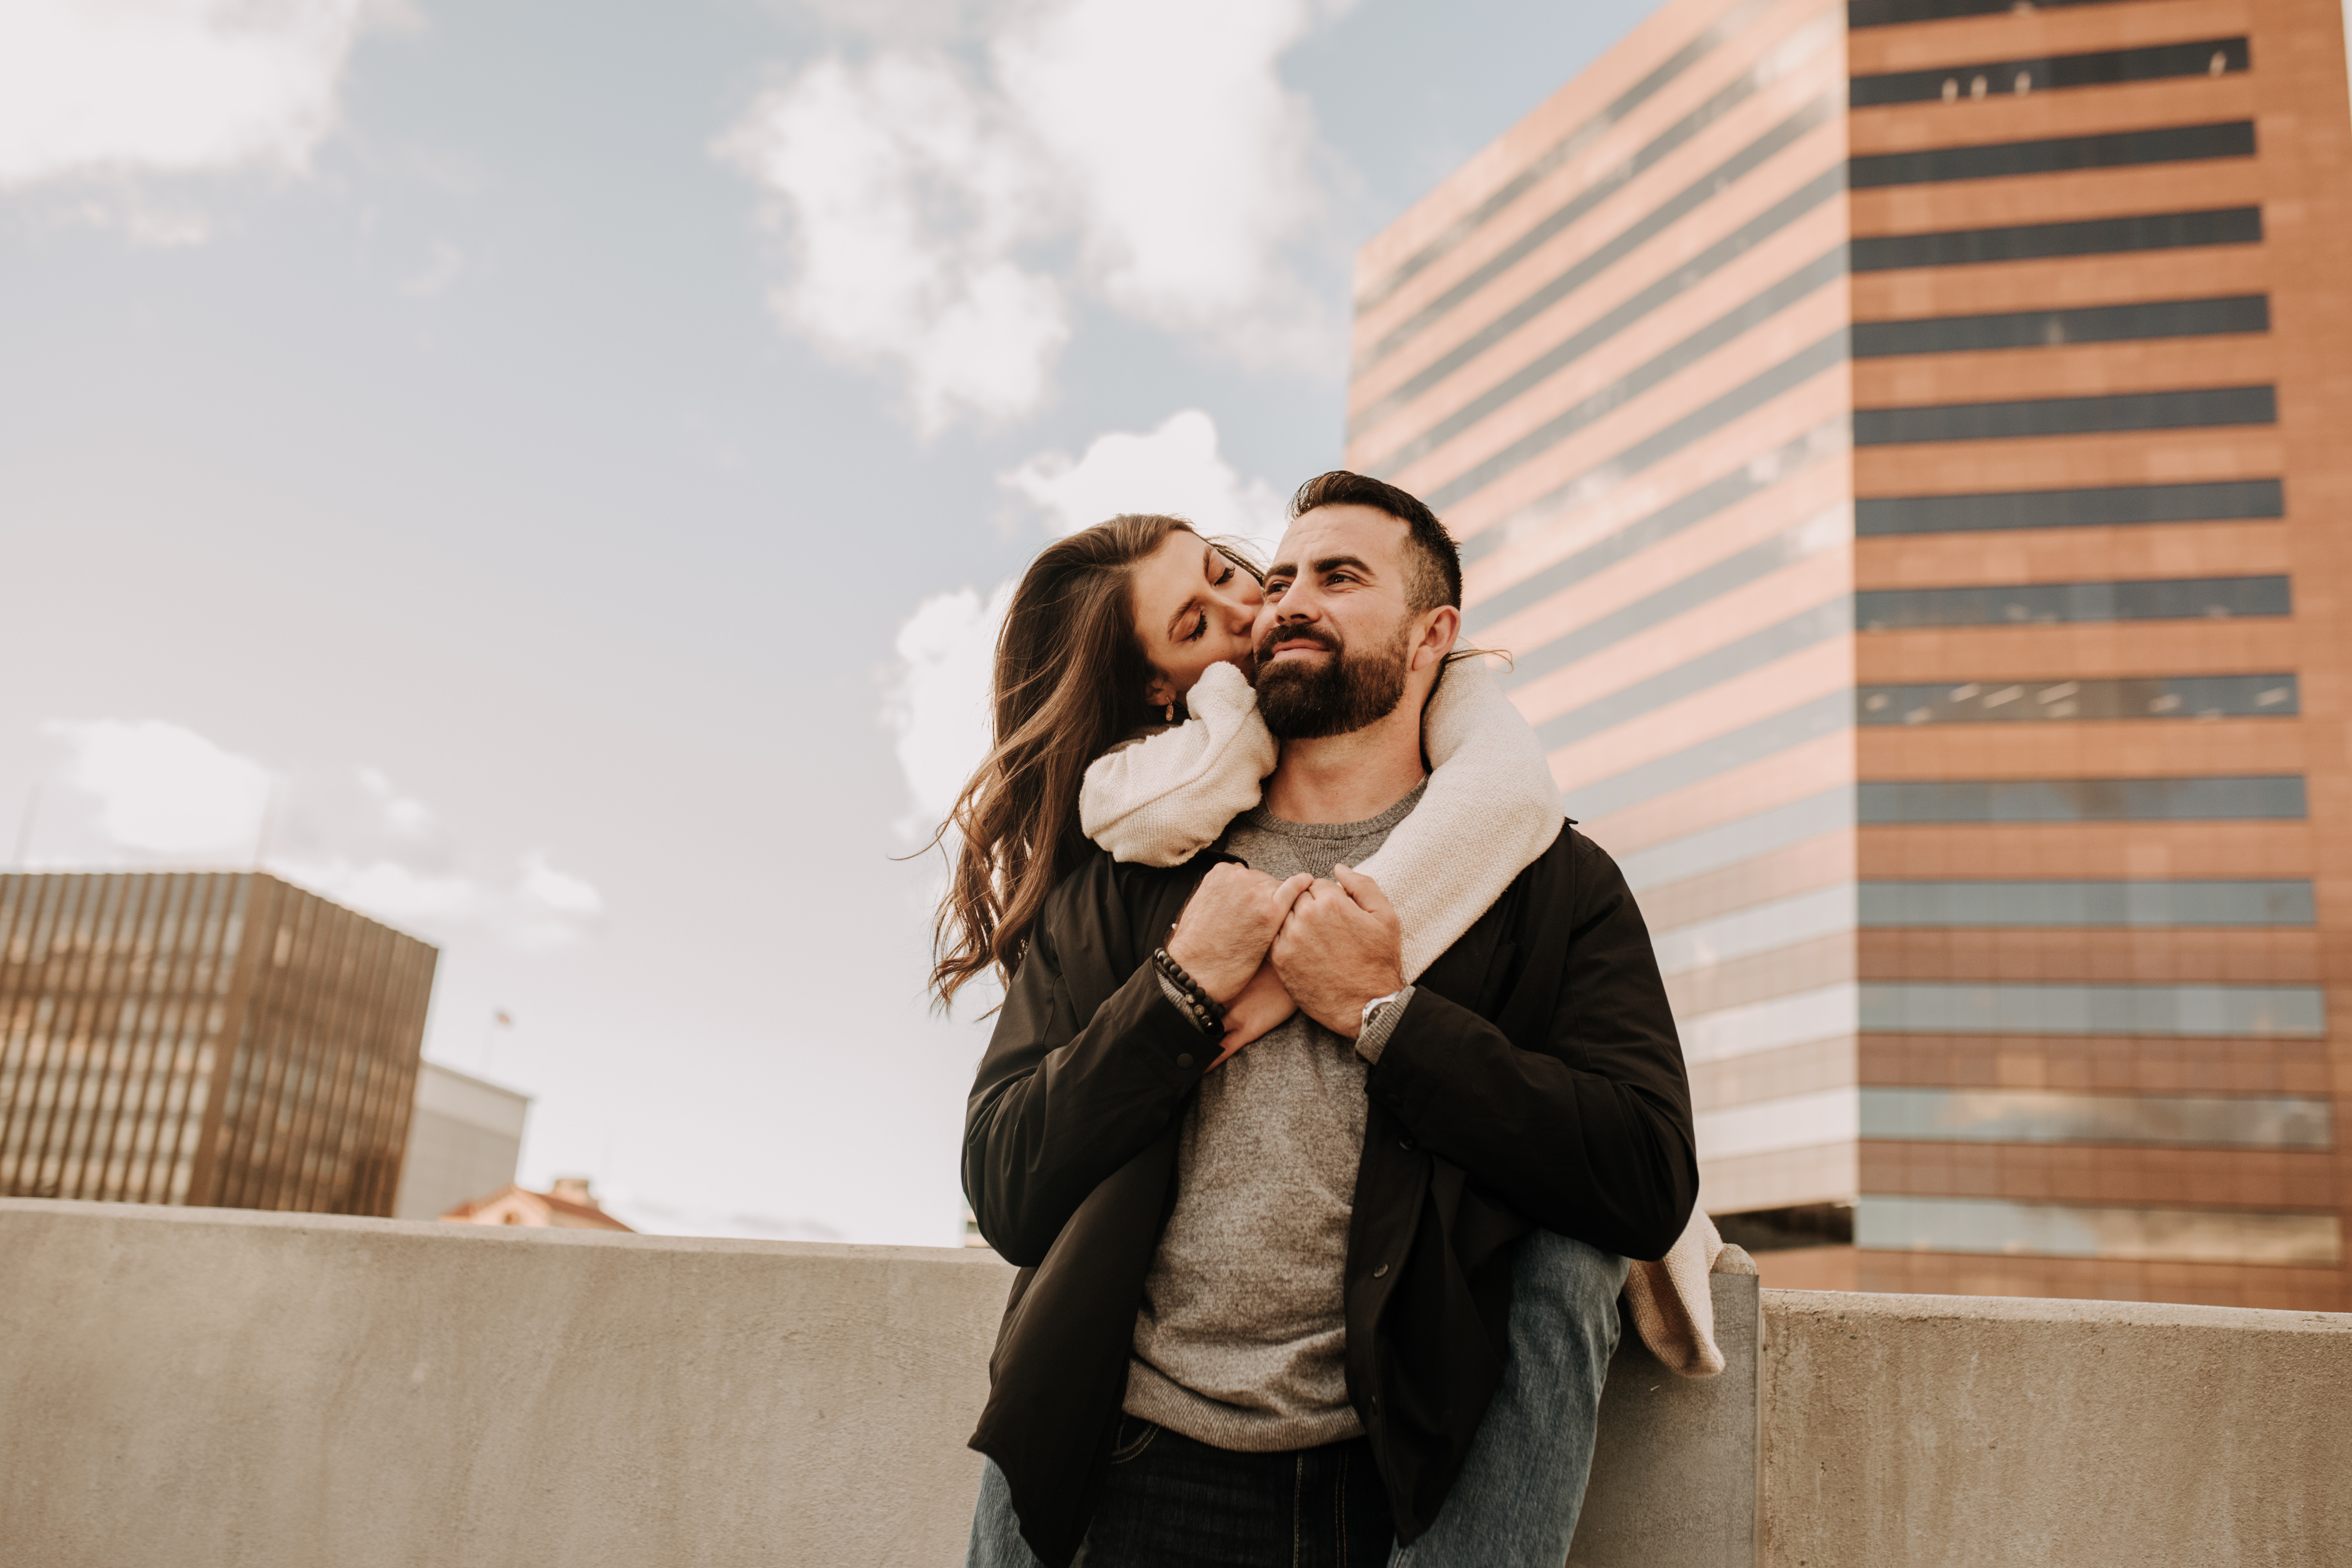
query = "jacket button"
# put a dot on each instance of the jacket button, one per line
(1383, 1268)
(1183, 1058)
(1405, 1144)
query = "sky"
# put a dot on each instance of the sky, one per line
(539, 473)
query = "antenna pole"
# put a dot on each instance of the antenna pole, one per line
(25, 825)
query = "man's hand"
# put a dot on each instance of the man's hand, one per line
(1228, 924)
(1340, 948)
(1256, 1011)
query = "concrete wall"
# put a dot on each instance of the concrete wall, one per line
(190, 1388)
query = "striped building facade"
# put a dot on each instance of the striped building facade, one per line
(1904, 446)
(222, 1039)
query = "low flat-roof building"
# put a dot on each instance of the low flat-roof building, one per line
(465, 1137)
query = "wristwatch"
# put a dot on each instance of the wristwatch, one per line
(1374, 1006)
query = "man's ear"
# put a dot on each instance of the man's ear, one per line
(1438, 638)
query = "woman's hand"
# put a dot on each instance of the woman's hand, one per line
(1261, 1007)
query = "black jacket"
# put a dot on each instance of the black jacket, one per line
(1535, 1080)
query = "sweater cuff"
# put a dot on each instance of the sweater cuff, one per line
(1373, 1039)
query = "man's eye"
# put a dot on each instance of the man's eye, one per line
(1275, 585)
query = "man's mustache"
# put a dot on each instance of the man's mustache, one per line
(1295, 633)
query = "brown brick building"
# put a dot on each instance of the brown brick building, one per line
(221, 1039)
(1904, 446)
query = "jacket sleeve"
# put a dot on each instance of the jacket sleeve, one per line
(1591, 1138)
(1061, 1102)
(1159, 801)
(1491, 810)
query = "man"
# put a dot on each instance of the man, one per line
(1262, 1315)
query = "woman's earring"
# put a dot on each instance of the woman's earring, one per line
(1169, 714)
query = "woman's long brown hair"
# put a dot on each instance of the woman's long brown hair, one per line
(1069, 684)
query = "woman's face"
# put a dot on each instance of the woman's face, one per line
(1193, 608)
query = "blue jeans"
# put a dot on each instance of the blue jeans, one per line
(1521, 1487)
(1515, 1503)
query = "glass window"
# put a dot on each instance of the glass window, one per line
(1744, 838)
(2259, 797)
(2106, 506)
(2086, 236)
(1741, 318)
(2043, 603)
(1753, 312)
(2065, 1230)
(1893, 12)
(1827, 1012)
(1936, 1007)
(2066, 415)
(1823, 715)
(2057, 155)
(1826, 620)
(1995, 702)
(1779, 1230)
(2215, 57)
(1691, 197)
(2039, 1116)
(1642, 455)
(1759, 928)
(1810, 538)
(1729, 25)
(2053, 329)
(2115, 903)
(1752, 476)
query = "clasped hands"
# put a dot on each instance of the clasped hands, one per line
(1265, 949)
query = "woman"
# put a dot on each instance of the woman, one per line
(1121, 710)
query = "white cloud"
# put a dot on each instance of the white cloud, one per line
(937, 702)
(909, 194)
(162, 788)
(404, 815)
(937, 219)
(1175, 469)
(161, 793)
(557, 891)
(443, 267)
(169, 86)
(1193, 163)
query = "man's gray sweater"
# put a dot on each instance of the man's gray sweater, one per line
(1241, 1339)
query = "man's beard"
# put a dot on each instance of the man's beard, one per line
(1346, 693)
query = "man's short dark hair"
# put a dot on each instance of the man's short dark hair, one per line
(1435, 563)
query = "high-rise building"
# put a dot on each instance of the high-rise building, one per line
(1904, 446)
(214, 1039)
(465, 1138)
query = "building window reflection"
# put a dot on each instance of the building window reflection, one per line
(2066, 1230)
(2151, 904)
(2010, 702)
(2039, 1116)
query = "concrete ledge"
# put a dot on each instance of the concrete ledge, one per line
(192, 1388)
(1974, 1430)
(188, 1388)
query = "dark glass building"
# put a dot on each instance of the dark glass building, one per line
(1904, 446)
(215, 1038)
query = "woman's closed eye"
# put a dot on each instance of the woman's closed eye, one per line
(1200, 628)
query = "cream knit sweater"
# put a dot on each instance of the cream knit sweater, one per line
(1491, 808)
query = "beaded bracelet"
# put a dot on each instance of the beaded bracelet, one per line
(1205, 1010)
